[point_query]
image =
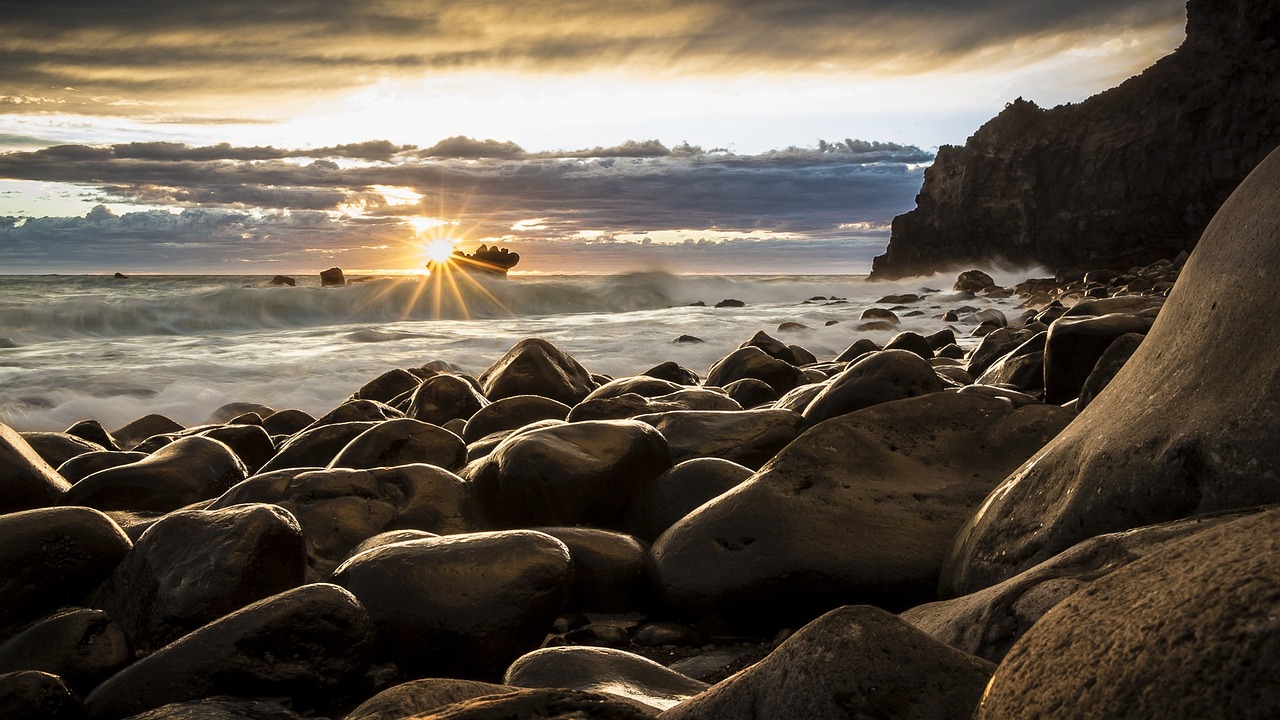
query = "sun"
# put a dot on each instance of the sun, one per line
(439, 250)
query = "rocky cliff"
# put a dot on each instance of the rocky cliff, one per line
(1127, 176)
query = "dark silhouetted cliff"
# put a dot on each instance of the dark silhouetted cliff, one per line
(1127, 176)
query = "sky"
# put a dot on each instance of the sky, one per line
(704, 136)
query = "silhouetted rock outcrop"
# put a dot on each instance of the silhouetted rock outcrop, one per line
(1127, 176)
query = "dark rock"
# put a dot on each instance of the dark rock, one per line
(316, 447)
(332, 277)
(120, 276)
(389, 537)
(1018, 399)
(534, 366)
(730, 303)
(603, 670)
(996, 345)
(142, 428)
(853, 662)
(78, 645)
(642, 385)
(26, 480)
(599, 635)
(387, 386)
(797, 400)
(679, 491)
(905, 299)
(283, 280)
(511, 413)
(340, 508)
(880, 377)
(792, 327)
(286, 422)
(1022, 367)
(1127, 305)
(688, 339)
(802, 356)
(1131, 174)
(419, 697)
(584, 473)
(771, 346)
(673, 372)
(657, 634)
(1187, 631)
(187, 470)
(50, 557)
(93, 431)
(192, 567)
(1074, 346)
(82, 466)
(861, 507)
(1114, 358)
(250, 443)
(541, 704)
(973, 281)
(1185, 428)
(941, 339)
(403, 441)
(911, 342)
(444, 397)
(746, 437)
(357, 411)
(309, 643)
(37, 695)
(485, 445)
(876, 326)
(477, 601)
(880, 314)
(750, 392)
(952, 351)
(752, 362)
(699, 398)
(608, 568)
(860, 347)
(231, 410)
(222, 708)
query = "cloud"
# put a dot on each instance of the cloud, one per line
(139, 58)
(269, 202)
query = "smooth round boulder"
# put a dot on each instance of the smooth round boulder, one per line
(192, 567)
(511, 413)
(642, 385)
(912, 343)
(461, 605)
(995, 345)
(750, 392)
(316, 446)
(357, 411)
(584, 473)
(875, 378)
(339, 508)
(388, 386)
(56, 448)
(93, 431)
(234, 409)
(853, 662)
(746, 437)
(1187, 427)
(418, 697)
(79, 645)
(603, 670)
(1074, 346)
(543, 704)
(82, 466)
(534, 366)
(144, 427)
(403, 441)
(52, 557)
(679, 491)
(860, 508)
(618, 407)
(772, 346)
(1104, 371)
(222, 707)
(674, 372)
(1022, 367)
(185, 471)
(36, 694)
(1188, 631)
(287, 422)
(26, 480)
(608, 569)
(752, 362)
(309, 643)
(443, 398)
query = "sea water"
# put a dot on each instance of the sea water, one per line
(79, 347)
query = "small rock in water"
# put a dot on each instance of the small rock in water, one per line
(120, 276)
(332, 277)
(688, 339)
(730, 302)
(283, 280)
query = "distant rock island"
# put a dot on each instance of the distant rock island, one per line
(491, 260)
(1129, 175)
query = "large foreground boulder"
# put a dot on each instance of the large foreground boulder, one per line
(534, 366)
(26, 480)
(186, 471)
(1186, 632)
(1188, 426)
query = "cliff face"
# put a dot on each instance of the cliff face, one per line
(1128, 176)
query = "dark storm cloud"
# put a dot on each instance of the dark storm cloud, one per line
(90, 55)
(239, 195)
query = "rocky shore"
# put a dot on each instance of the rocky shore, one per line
(1070, 519)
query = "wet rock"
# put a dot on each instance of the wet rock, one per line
(51, 557)
(34, 694)
(1187, 631)
(674, 372)
(187, 470)
(286, 422)
(618, 407)
(853, 662)
(512, 412)
(389, 537)
(642, 385)
(419, 697)
(1022, 367)
(534, 366)
(1018, 399)
(340, 508)
(750, 392)
(444, 397)
(583, 473)
(316, 447)
(859, 508)
(603, 670)
(1164, 441)
(688, 339)
(752, 362)
(82, 466)
(477, 601)
(308, 644)
(222, 708)
(746, 437)
(860, 347)
(193, 567)
(26, 480)
(56, 448)
(792, 327)
(911, 342)
(143, 428)
(973, 281)
(332, 277)
(730, 303)
(679, 491)
(880, 314)
(403, 441)
(1114, 358)
(699, 398)
(357, 411)
(1074, 346)
(230, 410)
(996, 345)
(80, 646)
(388, 386)
(656, 634)
(876, 378)
(543, 704)
(250, 443)
(608, 568)
(93, 431)
(485, 445)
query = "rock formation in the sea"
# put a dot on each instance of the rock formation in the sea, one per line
(332, 277)
(1128, 176)
(491, 260)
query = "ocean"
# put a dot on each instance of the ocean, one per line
(79, 347)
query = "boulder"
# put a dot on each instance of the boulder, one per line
(1185, 428)
(746, 437)
(56, 448)
(853, 662)
(750, 392)
(995, 345)
(388, 386)
(142, 428)
(603, 670)
(185, 471)
(543, 704)
(674, 372)
(310, 644)
(51, 557)
(26, 480)
(973, 281)
(403, 441)
(772, 347)
(679, 491)
(192, 567)
(911, 342)
(584, 473)
(93, 431)
(642, 385)
(286, 422)
(462, 605)
(419, 697)
(860, 347)
(608, 569)
(1104, 371)
(752, 362)
(332, 277)
(315, 447)
(36, 694)
(618, 407)
(1187, 631)
(1074, 346)
(339, 508)
(82, 466)
(1022, 367)
(233, 410)
(357, 411)
(876, 378)
(80, 646)
(222, 707)
(859, 508)
(534, 366)
(442, 398)
(511, 413)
